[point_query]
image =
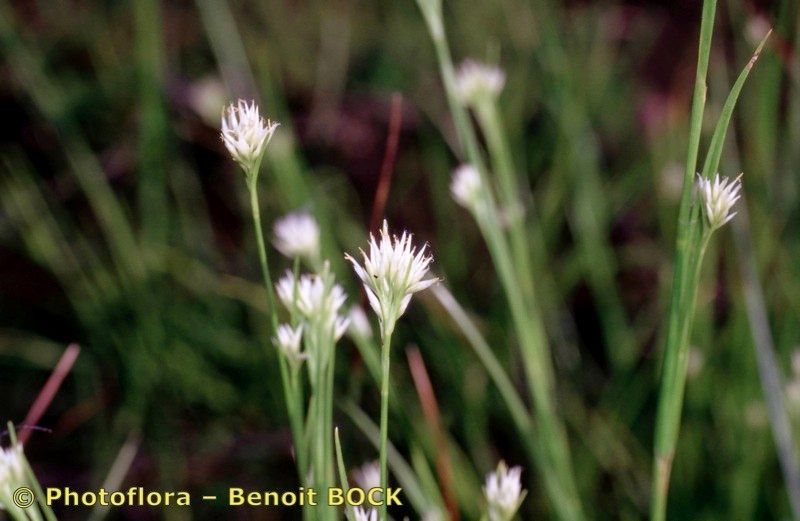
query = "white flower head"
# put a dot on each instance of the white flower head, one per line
(719, 195)
(477, 81)
(504, 493)
(392, 272)
(317, 298)
(297, 235)
(361, 514)
(466, 186)
(12, 474)
(359, 323)
(368, 475)
(287, 340)
(246, 134)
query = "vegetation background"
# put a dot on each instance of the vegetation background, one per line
(124, 228)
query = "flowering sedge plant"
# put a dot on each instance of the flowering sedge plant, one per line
(391, 273)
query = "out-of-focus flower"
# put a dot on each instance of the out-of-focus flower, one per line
(359, 323)
(362, 514)
(477, 82)
(207, 97)
(719, 195)
(246, 135)
(297, 235)
(392, 272)
(12, 475)
(504, 493)
(287, 340)
(317, 298)
(695, 362)
(368, 475)
(466, 186)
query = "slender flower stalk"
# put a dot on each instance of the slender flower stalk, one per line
(551, 449)
(391, 273)
(246, 136)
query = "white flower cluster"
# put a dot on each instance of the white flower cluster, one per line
(476, 82)
(392, 272)
(719, 195)
(246, 134)
(369, 514)
(503, 491)
(368, 475)
(359, 323)
(466, 186)
(318, 300)
(287, 340)
(12, 475)
(297, 235)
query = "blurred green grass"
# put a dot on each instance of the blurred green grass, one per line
(123, 228)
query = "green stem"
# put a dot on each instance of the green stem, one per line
(509, 190)
(554, 462)
(673, 383)
(262, 250)
(291, 385)
(385, 359)
(683, 291)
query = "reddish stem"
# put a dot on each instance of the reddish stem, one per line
(50, 389)
(387, 168)
(430, 409)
